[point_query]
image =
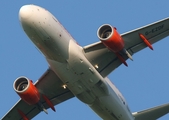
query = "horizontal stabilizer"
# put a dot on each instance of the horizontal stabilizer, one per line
(152, 113)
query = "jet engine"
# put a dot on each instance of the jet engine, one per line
(26, 90)
(110, 38)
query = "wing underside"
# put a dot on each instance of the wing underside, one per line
(107, 61)
(51, 86)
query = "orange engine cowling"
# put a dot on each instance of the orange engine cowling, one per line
(110, 38)
(26, 90)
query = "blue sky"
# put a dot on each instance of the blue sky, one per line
(144, 83)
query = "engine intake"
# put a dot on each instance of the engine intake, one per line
(21, 84)
(109, 36)
(26, 90)
(105, 32)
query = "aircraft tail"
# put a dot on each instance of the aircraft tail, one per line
(152, 113)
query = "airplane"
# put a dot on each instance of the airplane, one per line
(76, 71)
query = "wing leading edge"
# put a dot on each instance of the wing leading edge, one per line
(106, 61)
(51, 86)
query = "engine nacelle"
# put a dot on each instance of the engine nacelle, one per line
(26, 90)
(110, 38)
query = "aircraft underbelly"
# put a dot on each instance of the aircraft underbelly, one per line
(82, 70)
(81, 78)
(89, 86)
(67, 60)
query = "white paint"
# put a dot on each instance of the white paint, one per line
(62, 52)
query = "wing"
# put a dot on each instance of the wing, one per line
(106, 61)
(152, 113)
(51, 86)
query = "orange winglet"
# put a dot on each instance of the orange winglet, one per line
(121, 59)
(146, 41)
(49, 103)
(23, 115)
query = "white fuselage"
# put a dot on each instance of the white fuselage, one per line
(67, 60)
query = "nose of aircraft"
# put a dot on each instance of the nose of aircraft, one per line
(25, 12)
